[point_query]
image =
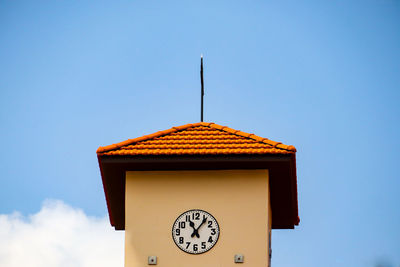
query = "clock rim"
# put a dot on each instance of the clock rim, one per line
(172, 232)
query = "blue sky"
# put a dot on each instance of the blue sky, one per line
(320, 75)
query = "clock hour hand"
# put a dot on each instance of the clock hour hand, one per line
(191, 224)
(195, 233)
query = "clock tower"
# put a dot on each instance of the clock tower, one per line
(199, 195)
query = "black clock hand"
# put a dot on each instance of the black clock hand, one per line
(204, 220)
(191, 224)
(196, 231)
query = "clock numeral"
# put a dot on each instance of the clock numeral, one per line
(182, 224)
(178, 231)
(210, 239)
(209, 224)
(181, 240)
(213, 231)
(187, 245)
(203, 245)
(187, 218)
(195, 248)
(196, 216)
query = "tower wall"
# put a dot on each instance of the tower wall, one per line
(238, 199)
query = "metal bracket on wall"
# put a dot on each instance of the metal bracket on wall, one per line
(239, 258)
(152, 260)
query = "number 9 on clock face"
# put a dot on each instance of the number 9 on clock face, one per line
(195, 231)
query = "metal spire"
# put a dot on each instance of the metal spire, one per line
(202, 87)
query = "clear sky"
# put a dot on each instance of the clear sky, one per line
(320, 75)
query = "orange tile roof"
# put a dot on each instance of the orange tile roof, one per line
(201, 138)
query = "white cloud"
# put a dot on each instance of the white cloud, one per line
(59, 236)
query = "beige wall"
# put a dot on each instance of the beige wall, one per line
(238, 199)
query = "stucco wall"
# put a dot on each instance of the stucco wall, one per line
(238, 199)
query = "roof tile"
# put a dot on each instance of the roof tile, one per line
(197, 139)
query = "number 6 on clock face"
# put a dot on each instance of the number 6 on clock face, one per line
(195, 231)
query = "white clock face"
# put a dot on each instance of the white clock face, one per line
(195, 231)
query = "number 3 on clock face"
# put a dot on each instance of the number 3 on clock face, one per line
(195, 231)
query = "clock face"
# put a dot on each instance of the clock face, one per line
(195, 231)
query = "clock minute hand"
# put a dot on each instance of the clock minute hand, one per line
(204, 220)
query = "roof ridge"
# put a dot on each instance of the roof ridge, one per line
(174, 129)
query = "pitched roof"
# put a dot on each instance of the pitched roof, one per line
(201, 146)
(201, 138)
